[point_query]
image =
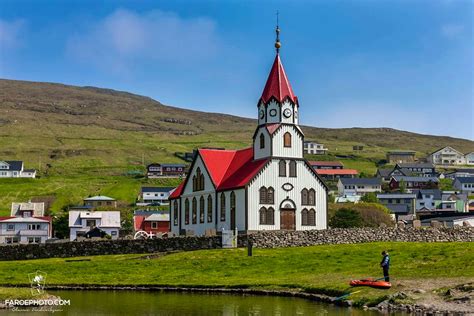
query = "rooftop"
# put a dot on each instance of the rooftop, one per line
(360, 181)
(99, 198)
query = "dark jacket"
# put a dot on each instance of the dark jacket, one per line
(385, 263)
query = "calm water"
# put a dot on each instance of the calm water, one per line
(157, 303)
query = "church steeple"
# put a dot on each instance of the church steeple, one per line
(277, 133)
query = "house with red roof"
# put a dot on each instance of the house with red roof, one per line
(269, 186)
(27, 224)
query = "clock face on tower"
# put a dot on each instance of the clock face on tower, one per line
(262, 114)
(273, 112)
(287, 113)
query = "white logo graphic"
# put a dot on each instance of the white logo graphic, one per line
(37, 281)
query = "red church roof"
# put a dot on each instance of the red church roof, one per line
(277, 84)
(228, 169)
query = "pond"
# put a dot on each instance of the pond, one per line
(177, 303)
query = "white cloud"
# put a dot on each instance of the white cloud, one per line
(125, 37)
(452, 30)
(10, 33)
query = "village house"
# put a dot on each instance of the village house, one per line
(464, 172)
(399, 204)
(447, 156)
(151, 222)
(453, 201)
(269, 186)
(415, 169)
(314, 148)
(156, 170)
(155, 195)
(335, 174)
(384, 174)
(413, 182)
(464, 184)
(449, 221)
(399, 156)
(469, 158)
(358, 186)
(26, 224)
(14, 169)
(100, 201)
(81, 223)
(426, 198)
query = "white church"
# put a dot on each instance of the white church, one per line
(269, 186)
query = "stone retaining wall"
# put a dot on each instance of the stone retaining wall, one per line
(275, 239)
(266, 239)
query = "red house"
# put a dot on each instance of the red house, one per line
(151, 222)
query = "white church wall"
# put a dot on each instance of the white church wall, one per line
(296, 149)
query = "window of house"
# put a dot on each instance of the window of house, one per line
(263, 195)
(27, 214)
(12, 240)
(308, 217)
(113, 233)
(201, 210)
(267, 216)
(282, 168)
(311, 197)
(186, 212)
(262, 141)
(34, 226)
(194, 211)
(154, 225)
(209, 209)
(287, 139)
(304, 197)
(292, 168)
(34, 240)
(270, 195)
(11, 227)
(222, 207)
(90, 223)
(175, 213)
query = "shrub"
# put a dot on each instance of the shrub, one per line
(370, 197)
(345, 218)
(371, 214)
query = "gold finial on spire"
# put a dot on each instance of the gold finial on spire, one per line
(277, 30)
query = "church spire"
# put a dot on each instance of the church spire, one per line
(277, 41)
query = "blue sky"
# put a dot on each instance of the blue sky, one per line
(381, 63)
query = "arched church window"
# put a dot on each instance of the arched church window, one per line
(232, 200)
(271, 216)
(270, 195)
(175, 213)
(304, 217)
(194, 210)
(263, 216)
(263, 195)
(311, 197)
(287, 139)
(198, 180)
(282, 168)
(262, 141)
(304, 197)
(209, 209)
(311, 217)
(292, 168)
(201, 210)
(222, 207)
(186, 212)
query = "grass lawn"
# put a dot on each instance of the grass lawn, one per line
(321, 269)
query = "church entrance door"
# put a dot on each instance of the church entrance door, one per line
(287, 219)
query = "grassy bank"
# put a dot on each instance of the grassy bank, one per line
(319, 269)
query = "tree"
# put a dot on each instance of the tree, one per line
(369, 197)
(345, 218)
(61, 226)
(402, 186)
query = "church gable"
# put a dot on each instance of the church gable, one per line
(287, 141)
(198, 179)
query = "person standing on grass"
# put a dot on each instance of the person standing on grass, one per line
(385, 264)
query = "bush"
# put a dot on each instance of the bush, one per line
(370, 197)
(371, 214)
(345, 218)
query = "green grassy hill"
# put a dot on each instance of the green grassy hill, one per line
(84, 140)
